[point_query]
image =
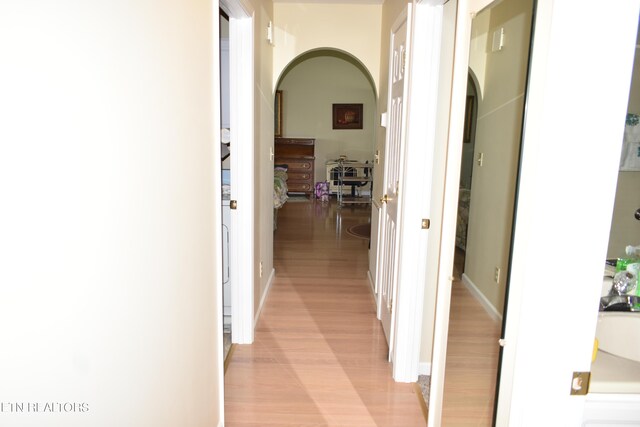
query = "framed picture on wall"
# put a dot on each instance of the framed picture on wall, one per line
(347, 116)
(277, 114)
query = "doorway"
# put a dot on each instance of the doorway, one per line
(226, 180)
(306, 92)
(466, 175)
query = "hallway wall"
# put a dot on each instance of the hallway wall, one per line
(108, 257)
(301, 27)
(264, 97)
(499, 123)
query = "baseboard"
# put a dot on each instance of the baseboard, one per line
(264, 297)
(424, 368)
(371, 283)
(482, 299)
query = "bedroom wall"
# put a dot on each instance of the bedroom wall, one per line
(108, 256)
(309, 89)
(498, 130)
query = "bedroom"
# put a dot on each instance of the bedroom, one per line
(307, 90)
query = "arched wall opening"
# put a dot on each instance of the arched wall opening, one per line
(310, 84)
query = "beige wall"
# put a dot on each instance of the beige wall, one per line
(263, 129)
(625, 229)
(109, 250)
(301, 27)
(498, 130)
(309, 90)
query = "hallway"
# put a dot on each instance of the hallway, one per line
(319, 355)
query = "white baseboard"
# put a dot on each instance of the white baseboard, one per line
(264, 297)
(371, 283)
(424, 368)
(482, 299)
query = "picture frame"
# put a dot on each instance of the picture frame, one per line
(347, 116)
(277, 114)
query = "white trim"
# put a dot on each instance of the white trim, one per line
(424, 368)
(450, 207)
(241, 231)
(372, 285)
(382, 211)
(272, 276)
(217, 208)
(481, 298)
(423, 65)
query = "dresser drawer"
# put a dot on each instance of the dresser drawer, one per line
(299, 186)
(299, 165)
(299, 176)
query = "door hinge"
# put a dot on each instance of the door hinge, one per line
(426, 223)
(580, 383)
(233, 204)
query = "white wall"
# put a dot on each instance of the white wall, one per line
(546, 343)
(353, 28)
(109, 253)
(309, 89)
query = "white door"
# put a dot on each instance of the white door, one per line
(387, 266)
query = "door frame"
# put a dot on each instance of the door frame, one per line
(467, 9)
(241, 230)
(423, 65)
(545, 133)
(423, 59)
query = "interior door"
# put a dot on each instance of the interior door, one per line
(387, 265)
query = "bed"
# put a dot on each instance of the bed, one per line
(279, 191)
(463, 218)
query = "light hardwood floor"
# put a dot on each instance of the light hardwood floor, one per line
(319, 356)
(472, 360)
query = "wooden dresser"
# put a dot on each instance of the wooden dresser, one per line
(298, 155)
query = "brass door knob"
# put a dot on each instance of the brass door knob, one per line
(384, 199)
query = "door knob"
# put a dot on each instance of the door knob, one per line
(384, 199)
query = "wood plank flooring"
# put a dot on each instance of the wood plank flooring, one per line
(472, 360)
(319, 357)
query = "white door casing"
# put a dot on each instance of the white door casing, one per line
(241, 231)
(388, 261)
(417, 243)
(466, 9)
